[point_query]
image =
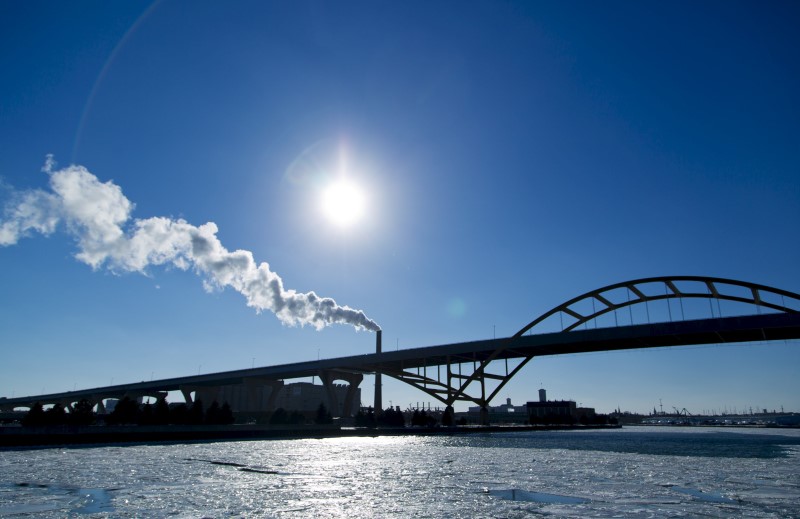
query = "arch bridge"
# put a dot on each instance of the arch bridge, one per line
(475, 371)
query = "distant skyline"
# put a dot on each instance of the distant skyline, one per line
(198, 187)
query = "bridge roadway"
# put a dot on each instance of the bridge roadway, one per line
(753, 328)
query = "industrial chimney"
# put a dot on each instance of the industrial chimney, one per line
(378, 405)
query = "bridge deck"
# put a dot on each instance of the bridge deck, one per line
(754, 328)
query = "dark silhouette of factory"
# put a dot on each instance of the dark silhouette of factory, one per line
(542, 412)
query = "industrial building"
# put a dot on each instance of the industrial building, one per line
(304, 397)
(557, 410)
(501, 414)
(543, 411)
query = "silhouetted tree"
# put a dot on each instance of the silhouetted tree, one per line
(56, 415)
(225, 414)
(146, 415)
(430, 420)
(161, 412)
(216, 415)
(323, 416)
(179, 414)
(212, 413)
(125, 412)
(447, 417)
(365, 419)
(196, 414)
(279, 417)
(421, 419)
(296, 418)
(391, 418)
(82, 413)
(34, 417)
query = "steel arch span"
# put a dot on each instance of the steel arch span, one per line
(640, 291)
(484, 378)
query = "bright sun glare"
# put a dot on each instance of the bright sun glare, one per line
(343, 203)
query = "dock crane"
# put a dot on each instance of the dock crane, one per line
(682, 412)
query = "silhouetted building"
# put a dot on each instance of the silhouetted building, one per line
(558, 411)
(506, 413)
(300, 396)
(553, 408)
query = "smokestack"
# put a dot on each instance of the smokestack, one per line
(378, 394)
(542, 395)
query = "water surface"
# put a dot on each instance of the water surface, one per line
(632, 472)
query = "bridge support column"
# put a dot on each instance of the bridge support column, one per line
(448, 418)
(208, 394)
(327, 378)
(254, 385)
(353, 379)
(187, 394)
(351, 393)
(277, 386)
(484, 415)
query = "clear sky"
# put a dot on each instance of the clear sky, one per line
(506, 157)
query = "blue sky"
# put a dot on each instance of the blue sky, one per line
(511, 156)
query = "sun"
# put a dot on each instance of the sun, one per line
(343, 203)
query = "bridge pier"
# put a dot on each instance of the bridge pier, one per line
(448, 418)
(209, 394)
(255, 384)
(137, 395)
(186, 391)
(353, 380)
(352, 389)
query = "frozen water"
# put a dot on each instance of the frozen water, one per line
(633, 472)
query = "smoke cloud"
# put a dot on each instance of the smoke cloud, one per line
(98, 215)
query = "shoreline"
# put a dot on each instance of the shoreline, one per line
(48, 437)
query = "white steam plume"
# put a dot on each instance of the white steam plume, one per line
(98, 215)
